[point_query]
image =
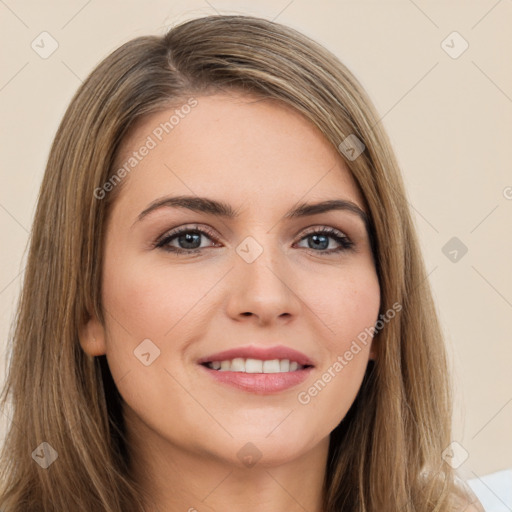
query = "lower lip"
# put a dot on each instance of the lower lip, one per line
(260, 383)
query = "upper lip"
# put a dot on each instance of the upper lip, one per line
(259, 352)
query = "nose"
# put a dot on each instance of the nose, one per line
(262, 289)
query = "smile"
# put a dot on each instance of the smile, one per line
(250, 365)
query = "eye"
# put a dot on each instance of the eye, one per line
(188, 237)
(319, 240)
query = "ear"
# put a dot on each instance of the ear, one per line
(92, 337)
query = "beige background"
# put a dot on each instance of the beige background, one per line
(449, 120)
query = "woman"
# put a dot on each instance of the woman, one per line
(225, 305)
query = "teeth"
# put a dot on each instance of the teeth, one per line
(237, 365)
(271, 366)
(249, 365)
(253, 366)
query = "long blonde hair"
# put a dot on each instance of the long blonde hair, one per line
(386, 453)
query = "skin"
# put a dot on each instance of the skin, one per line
(184, 428)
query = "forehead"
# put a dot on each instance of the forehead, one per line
(235, 147)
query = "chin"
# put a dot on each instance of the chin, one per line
(250, 447)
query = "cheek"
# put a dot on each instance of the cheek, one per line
(350, 308)
(150, 301)
(348, 303)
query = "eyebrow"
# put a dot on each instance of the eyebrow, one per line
(224, 210)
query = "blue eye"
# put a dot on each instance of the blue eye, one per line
(189, 240)
(187, 236)
(320, 240)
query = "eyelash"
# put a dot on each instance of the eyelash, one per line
(162, 242)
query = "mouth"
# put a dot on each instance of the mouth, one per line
(258, 370)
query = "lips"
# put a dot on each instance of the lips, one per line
(299, 369)
(258, 352)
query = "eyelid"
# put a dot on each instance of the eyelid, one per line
(320, 227)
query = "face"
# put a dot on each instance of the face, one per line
(183, 284)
